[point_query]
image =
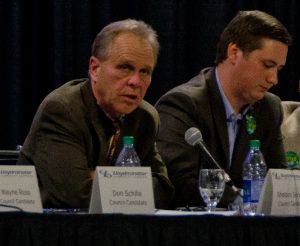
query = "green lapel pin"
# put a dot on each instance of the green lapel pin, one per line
(292, 159)
(250, 124)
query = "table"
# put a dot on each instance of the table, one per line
(17, 228)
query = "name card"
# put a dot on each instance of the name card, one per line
(126, 190)
(19, 189)
(280, 194)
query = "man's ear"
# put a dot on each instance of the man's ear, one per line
(94, 66)
(232, 52)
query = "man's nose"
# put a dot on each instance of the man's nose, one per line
(135, 79)
(273, 77)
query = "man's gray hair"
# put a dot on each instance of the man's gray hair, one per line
(103, 40)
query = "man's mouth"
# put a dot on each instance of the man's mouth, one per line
(264, 88)
(130, 97)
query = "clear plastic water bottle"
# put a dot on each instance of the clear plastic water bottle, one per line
(128, 156)
(254, 172)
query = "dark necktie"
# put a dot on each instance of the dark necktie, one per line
(113, 142)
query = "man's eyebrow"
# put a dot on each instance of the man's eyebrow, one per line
(125, 61)
(274, 63)
(131, 63)
(148, 67)
(270, 61)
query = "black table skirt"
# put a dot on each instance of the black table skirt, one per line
(121, 230)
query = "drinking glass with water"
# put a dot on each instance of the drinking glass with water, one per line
(211, 186)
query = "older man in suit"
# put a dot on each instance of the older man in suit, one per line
(75, 127)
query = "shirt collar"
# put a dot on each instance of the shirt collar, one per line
(117, 121)
(230, 114)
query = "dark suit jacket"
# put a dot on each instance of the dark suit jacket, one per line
(198, 103)
(69, 137)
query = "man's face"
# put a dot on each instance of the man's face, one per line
(257, 71)
(120, 82)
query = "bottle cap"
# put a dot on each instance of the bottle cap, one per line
(128, 140)
(255, 143)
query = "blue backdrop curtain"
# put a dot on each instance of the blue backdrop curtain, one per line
(43, 44)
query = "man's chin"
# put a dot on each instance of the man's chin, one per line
(258, 96)
(128, 110)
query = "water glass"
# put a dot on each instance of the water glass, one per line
(211, 186)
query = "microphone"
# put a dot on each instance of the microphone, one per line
(194, 138)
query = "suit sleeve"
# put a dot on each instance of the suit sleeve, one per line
(146, 123)
(182, 160)
(55, 147)
(273, 148)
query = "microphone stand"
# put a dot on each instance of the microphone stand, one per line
(209, 158)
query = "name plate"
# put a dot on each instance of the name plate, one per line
(19, 189)
(126, 190)
(280, 194)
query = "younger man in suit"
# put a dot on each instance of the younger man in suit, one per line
(229, 104)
